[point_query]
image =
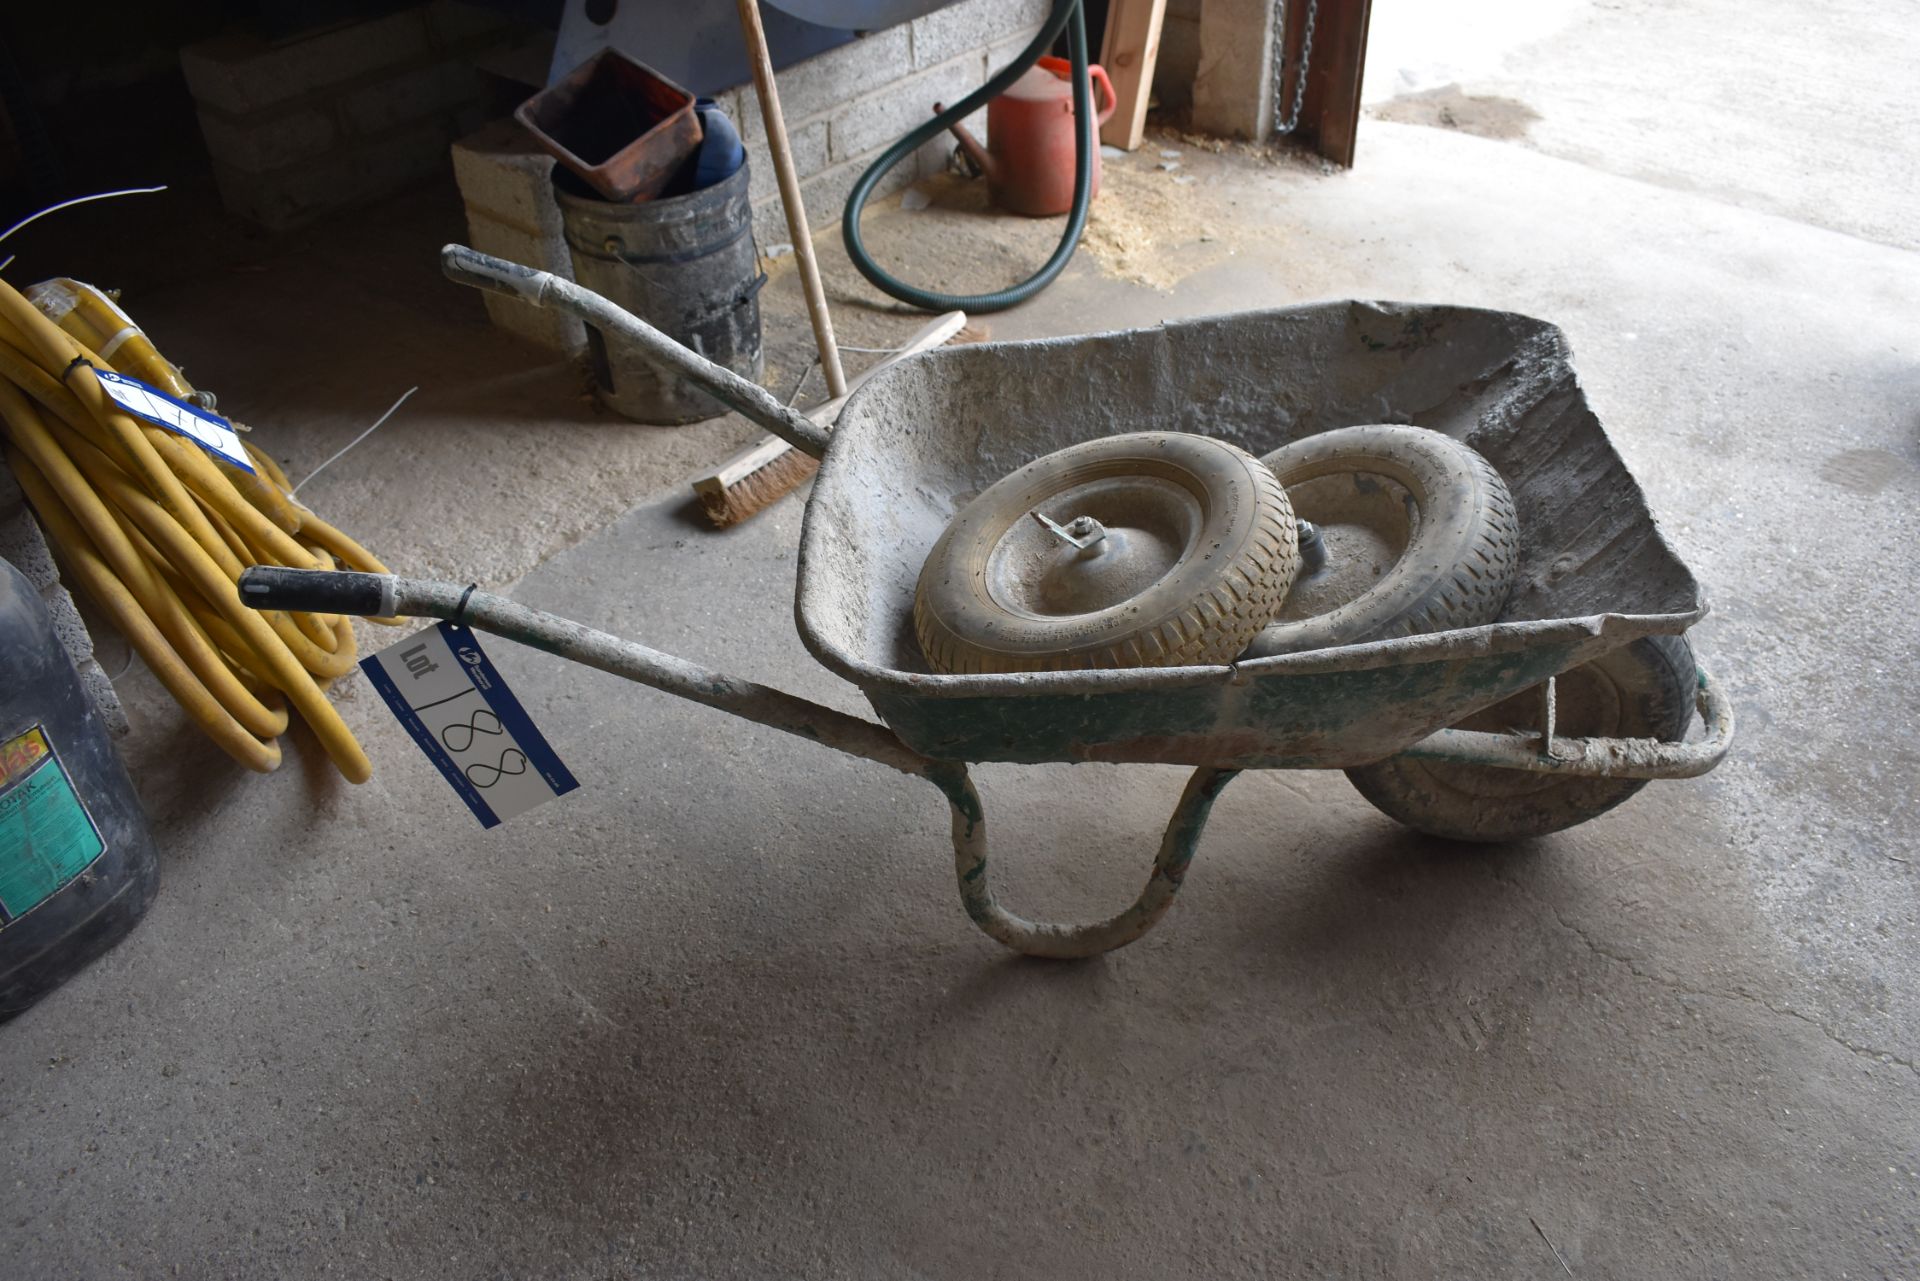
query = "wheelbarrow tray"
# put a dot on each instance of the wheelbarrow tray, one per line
(916, 443)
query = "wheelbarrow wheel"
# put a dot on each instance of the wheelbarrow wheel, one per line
(1643, 689)
(1155, 549)
(1416, 533)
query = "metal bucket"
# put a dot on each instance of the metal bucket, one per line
(687, 266)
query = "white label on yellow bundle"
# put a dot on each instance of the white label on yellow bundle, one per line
(211, 432)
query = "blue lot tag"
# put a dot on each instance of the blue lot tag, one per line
(441, 686)
(209, 431)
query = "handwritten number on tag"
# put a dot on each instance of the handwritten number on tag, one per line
(487, 749)
(458, 736)
(470, 729)
(512, 761)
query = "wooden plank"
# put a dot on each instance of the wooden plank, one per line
(1129, 51)
(1330, 112)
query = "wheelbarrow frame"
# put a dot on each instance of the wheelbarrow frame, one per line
(1443, 676)
(386, 595)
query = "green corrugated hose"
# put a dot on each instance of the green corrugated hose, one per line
(1068, 14)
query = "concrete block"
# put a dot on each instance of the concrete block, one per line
(519, 59)
(825, 195)
(503, 240)
(451, 24)
(1001, 53)
(67, 623)
(23, 547)
(876, 120)
(542, 328)
(268, 140)
(414, 94)
(1232, 90)
(344, 176)
(243, 73)
(550, 329)
(960, 28)
(821, 83)
(106, 699)
(503, 175)
(809, 145)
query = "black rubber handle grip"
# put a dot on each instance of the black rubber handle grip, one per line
(319, 591)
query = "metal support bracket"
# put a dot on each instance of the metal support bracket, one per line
(1592, 757)
(1072, 942)
(1548, 711)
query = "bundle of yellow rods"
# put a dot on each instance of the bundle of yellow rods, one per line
(156, 532)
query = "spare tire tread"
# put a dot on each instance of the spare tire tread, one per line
(1471, 592)
(1247, 595)
(1655, 678)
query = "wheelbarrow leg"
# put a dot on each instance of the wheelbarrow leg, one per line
(1036, 938)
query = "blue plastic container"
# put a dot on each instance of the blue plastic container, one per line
(720, 150)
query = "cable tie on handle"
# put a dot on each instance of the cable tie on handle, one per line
(459, 618)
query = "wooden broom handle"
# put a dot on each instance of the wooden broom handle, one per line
(756, 37)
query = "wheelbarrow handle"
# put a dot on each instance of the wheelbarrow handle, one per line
(386, 595)
(544, 289)
(319, 591)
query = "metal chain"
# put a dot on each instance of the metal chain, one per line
(1280, 64)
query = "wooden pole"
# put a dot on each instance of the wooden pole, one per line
(762, 62)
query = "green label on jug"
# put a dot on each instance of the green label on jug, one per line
(46, 835)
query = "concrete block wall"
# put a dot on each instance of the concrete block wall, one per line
(844, 107)
(24, 547)
(335, 118)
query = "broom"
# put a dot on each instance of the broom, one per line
(757, 477)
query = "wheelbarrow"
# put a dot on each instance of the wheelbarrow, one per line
(915, 443)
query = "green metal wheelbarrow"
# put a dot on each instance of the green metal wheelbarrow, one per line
(916, 442)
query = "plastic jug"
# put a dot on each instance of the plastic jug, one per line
(77, 865)
(1028, 158)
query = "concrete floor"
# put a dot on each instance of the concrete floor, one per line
(719, 1014)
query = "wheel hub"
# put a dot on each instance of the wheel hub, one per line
(1107, 571)
(1094, 547)
(1361, 524)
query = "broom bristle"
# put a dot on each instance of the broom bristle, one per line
(759, 489)
(767, 484)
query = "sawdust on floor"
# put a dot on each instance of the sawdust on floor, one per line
(1140, 216)
(1161, 216)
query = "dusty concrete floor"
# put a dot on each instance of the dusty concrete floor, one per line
(719, 1013)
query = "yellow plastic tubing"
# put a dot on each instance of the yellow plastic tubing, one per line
(156, 533)
(96, 321)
